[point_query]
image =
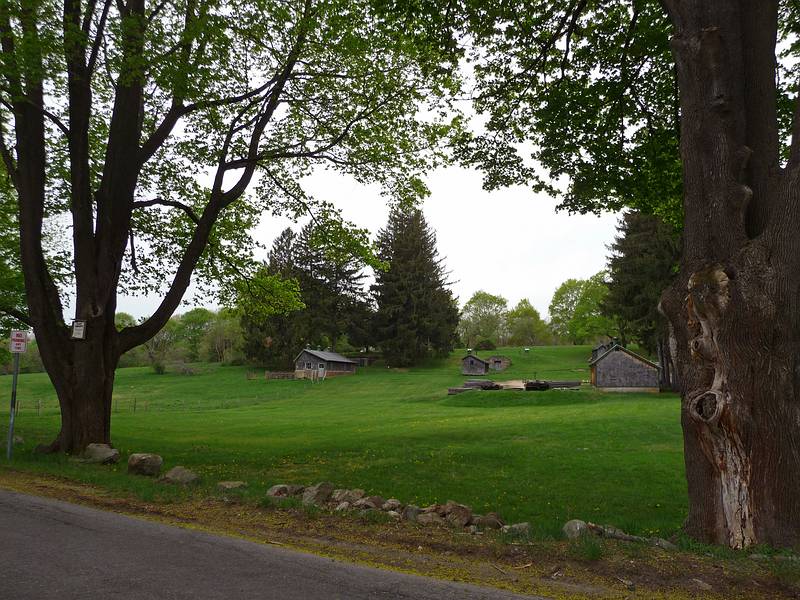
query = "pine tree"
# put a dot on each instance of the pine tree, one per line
(642, 264)
(416, 313)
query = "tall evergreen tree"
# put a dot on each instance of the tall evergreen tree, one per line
(416, 313)
(642, 264)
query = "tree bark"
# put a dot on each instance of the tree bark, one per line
(734, 306)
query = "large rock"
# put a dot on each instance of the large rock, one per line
(144, 463)
(102, 454)
(489, 521)
(180, 476)
(226, 486)
(394, 515)
(318, 494)
(575, 529)
(457, 515)
(342, 506)
(429, 518)
(410, 512)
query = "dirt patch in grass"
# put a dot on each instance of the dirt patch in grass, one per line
(553, 569)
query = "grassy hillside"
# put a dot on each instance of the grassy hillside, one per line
(540, 456)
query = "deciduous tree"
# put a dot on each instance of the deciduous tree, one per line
(525, 325)
(688, 109)
(483, 318)
(144, 126)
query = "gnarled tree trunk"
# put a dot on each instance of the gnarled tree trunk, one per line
(734, 307)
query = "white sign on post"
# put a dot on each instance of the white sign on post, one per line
(19, 342)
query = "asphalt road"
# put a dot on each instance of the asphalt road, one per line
(52, 549)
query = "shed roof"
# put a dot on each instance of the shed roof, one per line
(616, 347)
(327, 356)
(475, 357)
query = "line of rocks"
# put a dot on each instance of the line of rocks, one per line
(576, 529)
(325, 495)
(144, 463)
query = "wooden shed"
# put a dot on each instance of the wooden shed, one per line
(472, 365)
(498, 363)
(620, 370)
(318, 364)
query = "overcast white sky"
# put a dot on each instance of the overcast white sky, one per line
(509, 242)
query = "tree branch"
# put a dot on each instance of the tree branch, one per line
(174, 203)
(16, 314)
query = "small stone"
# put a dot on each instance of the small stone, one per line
(365, 504)
(458, 515)
(394, 515)
(102, 454)
(391, 504)
(340, 495)
(488, 521)
(296, 490)
(342, 506)
(429, 518)
(19, 441)
(702, 584)
(473, 529)
(279, 490)
(357, 494)
(145, 463)
(663, 544)
(433, 508)
(227, 486)
(575, 529)
(520, 529)
(377, 501)
(180, 476)
(318, 494)
(410, 512)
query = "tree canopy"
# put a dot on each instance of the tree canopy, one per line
(483, 318)
(576, 310)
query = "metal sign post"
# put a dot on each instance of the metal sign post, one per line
(18, 345)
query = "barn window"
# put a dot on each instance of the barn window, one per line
(309, 365)
(321, 365)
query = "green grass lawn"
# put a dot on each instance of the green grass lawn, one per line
(543, 457)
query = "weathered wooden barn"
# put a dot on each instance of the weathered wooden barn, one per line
(498, 363)
(620, 370)
(472, 365)
(318, 364)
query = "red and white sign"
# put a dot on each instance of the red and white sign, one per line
(19, 341)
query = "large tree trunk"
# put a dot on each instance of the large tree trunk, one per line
(84, 385)
(734, 306)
